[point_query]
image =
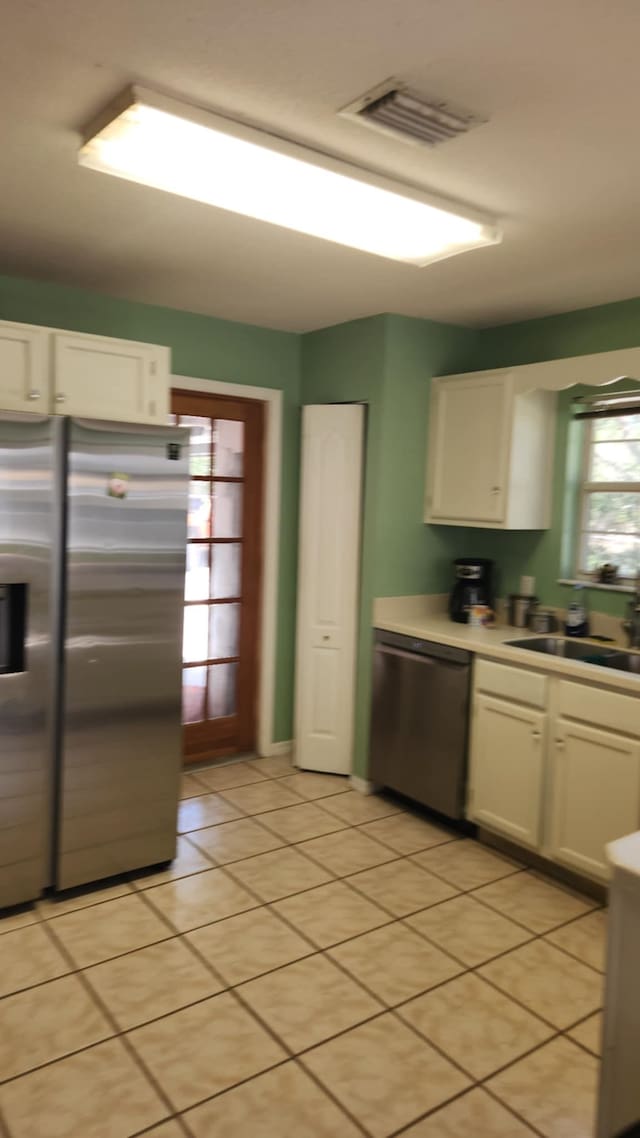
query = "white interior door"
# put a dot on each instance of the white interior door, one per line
(328, 589)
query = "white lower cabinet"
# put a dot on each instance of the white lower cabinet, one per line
(561, 776)
(594, 794)
(506, 768)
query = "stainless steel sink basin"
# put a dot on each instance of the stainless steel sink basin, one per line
(599, 654)
(625, 662)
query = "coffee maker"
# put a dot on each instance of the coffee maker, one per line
(473, 586)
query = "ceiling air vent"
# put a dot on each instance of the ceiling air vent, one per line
(398, 110)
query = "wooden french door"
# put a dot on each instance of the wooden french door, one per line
(222, 583)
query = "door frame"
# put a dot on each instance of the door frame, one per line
(272, 400)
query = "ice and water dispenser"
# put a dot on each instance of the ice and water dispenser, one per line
(13, 614)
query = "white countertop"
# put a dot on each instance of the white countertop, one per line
(624, 854)
(409, 616)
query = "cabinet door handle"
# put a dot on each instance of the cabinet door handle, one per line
(536, 734)
(559, 744)
(60, 398)
(495, 489)
(33, 394)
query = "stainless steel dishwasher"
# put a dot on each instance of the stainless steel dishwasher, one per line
(419, 720)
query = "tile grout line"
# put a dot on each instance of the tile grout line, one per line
(119, 1034)
(384, 1011)
(290, 1054)
(496, 1098)
(315, 951)
(554, 1030)
(455, 1098)
(493, 909)
(393, 918)
(326, 952)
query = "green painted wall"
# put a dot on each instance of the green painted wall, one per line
(601, 329)
(414, 558)
(385, 362)
(346, 364)
(208, 349)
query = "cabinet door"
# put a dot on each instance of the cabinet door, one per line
(101, 378)
(24, 370)
(595, 794)
(469, 450)
(507, 757)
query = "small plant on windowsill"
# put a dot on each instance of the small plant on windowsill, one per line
(607, 574)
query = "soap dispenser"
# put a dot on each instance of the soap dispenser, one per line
(577, 622)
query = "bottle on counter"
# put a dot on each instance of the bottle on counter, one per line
(577, 622)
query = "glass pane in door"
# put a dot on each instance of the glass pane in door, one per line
(195, 631)
(224, 630)
(222, 690)
(199, 444)
(196, 582)
(226, 563)
(228, 447)
(194, 685)
(227, 509)
(199, 516)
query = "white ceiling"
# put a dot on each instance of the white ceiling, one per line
(559, 159)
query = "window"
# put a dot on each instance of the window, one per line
(610, 513)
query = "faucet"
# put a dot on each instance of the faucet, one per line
(632, 624)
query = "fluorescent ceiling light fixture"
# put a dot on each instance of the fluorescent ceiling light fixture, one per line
(171, 146)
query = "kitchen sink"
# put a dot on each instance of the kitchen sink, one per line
(599, 654)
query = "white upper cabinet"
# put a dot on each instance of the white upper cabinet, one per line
(100, 378)
(67, 373)
(490, 452)
(24, 368)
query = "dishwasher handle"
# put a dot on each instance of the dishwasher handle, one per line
(419, 649)
(419, 658)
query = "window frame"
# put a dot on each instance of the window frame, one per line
(588, 487)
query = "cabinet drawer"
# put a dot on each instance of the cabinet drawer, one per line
(511, 683)
(600, 707)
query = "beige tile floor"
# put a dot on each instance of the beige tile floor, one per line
(314, 963)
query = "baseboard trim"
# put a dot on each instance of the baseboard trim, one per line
(363, 785)
(283, 747)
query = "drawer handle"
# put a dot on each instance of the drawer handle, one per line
(34, 394)
(536, 734)
(559, 744)
(60, 398)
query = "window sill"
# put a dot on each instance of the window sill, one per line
(596, 585)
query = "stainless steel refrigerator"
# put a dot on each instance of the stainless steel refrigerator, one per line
(92, 550)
